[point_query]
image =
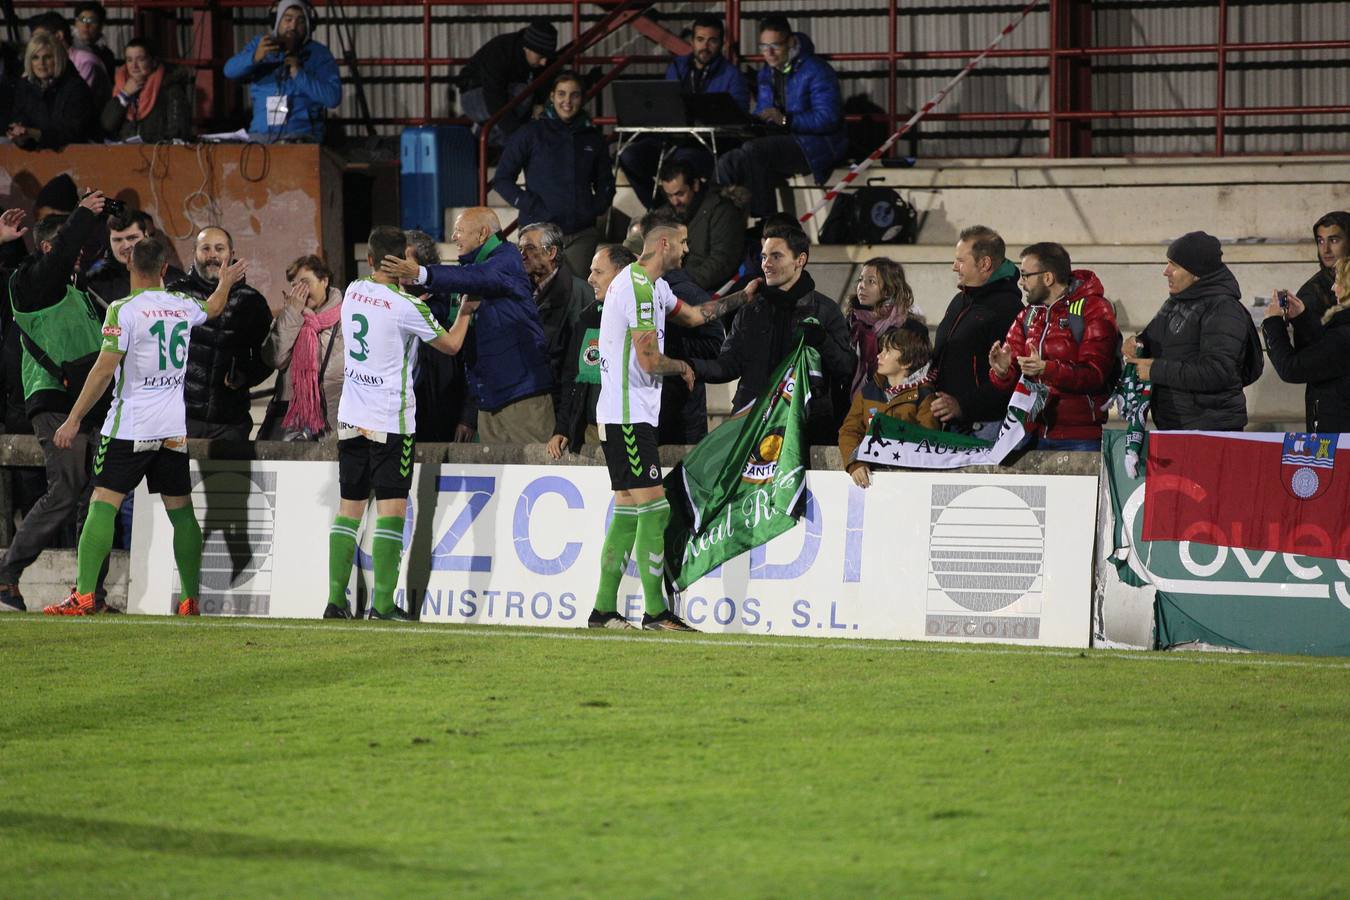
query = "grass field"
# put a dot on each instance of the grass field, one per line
(148, 757)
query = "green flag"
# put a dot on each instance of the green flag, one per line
(745, 483)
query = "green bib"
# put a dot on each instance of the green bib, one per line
(66, 330)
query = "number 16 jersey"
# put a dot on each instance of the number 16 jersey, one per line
(151, 329)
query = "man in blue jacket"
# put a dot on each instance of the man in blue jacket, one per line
(291, 79)
(497, 327)
(799, 92)
(568, 179)
(704, 71)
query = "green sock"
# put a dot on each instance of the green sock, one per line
(386, 547)
(650, 550)
(341, 552)
(618, 541)
(187, 549)
(95, 542)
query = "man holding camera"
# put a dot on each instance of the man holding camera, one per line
(291, 79)
(59, 333)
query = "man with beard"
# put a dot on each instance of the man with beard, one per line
(225, 354)
(1066, 338)
(1201, 348)
(716, 225)
(559, 295)
(766, 331)
(291, 79)
(109, 279)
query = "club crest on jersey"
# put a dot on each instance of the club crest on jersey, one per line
(654, 473)
(646, 311)
(1307, 463)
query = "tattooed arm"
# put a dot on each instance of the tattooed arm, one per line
(721, 307)
(652, 361)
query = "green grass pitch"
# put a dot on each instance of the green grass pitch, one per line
(158, 757)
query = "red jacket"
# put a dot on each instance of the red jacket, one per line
(1076, 372)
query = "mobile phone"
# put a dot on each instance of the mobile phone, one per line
(1284, 299)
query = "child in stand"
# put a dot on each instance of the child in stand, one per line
(902, 389)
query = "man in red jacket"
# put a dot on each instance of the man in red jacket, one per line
(1067, 339)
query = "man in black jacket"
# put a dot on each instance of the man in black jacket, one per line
(224, 354)
(1332, 234)
(109, 279)
(716, 225)
(500, 70)
(987, 302)
(444, 401)
(1201, 348)
(559, 295)
(61, 326)
(767, 330)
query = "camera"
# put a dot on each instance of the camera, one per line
(113, 208)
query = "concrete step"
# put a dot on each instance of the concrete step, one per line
(48, 580)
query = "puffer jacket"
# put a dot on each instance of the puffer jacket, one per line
(280, 343)
(228, 347)
(813, 104)
(568, 177)
(913, 404)
(1076, 373)
(720, 77)
(1205, 350)
(1322, 362)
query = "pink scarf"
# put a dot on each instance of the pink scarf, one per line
(306, 409)
(864, 327)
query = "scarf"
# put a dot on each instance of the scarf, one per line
(306, 409)
(914, 379)
(865, 326)
(141, 104)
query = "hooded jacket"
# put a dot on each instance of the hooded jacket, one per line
(765, 331)
(1322, 362)
(1202, 343)
(975, 319)
(807, 92)
(1076, 372)
(228, 347)
(568, 177)
(496, 66)
(316, 88)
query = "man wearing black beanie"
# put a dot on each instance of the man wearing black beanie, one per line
(1201, 349)
(500, 70)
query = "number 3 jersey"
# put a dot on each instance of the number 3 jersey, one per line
(381, 326)
(151, 329)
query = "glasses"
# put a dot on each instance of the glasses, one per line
(87, 20)
(1023, 276)
(778, 46)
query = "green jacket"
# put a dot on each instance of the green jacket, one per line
(66, 331)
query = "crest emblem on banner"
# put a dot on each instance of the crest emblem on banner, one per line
(1307, 462)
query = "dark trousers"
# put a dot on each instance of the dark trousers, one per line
(761, 165)
(641, 160)
(237, 432)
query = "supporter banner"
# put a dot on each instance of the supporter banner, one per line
(1289, 493)
(890, 442)
(743, 484)
(1219, 593)
(942, 556)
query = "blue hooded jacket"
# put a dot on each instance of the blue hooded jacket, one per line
(723, 78)
(506, 357)
(316, 88)
(815, 107)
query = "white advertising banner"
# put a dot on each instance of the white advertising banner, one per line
(938, 556)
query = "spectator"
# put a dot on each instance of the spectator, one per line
(90, 17)
(500, 70)
(151, 100)
(575, 424)
(559, 295)
(568, 180)
(1201, 348)
(442, 383)
(716, 225)
(109, 278)
(1332, 235)
(59, 328)
(978, 316)
(798, 92)
(1320, 354)
(901, 388)
(881, 300)
(766, 331)
(305, 347)
(225, 354)
(57, 197)
(507, 358)
(52, 107)
(87, 63)
(704, 71)
(1066, 338)
(291, 78)
(684, 410)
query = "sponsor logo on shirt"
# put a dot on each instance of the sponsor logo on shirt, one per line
(364, 378)
(371, 301)
(112, 331)
(162, 381)
(164, 313)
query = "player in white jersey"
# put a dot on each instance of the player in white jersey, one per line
(377, 420)
(637, 304)
(145, 346)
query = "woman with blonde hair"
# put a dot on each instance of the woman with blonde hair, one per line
(305, 347)
(52, 104)
(1322, 360)
(882, 300)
